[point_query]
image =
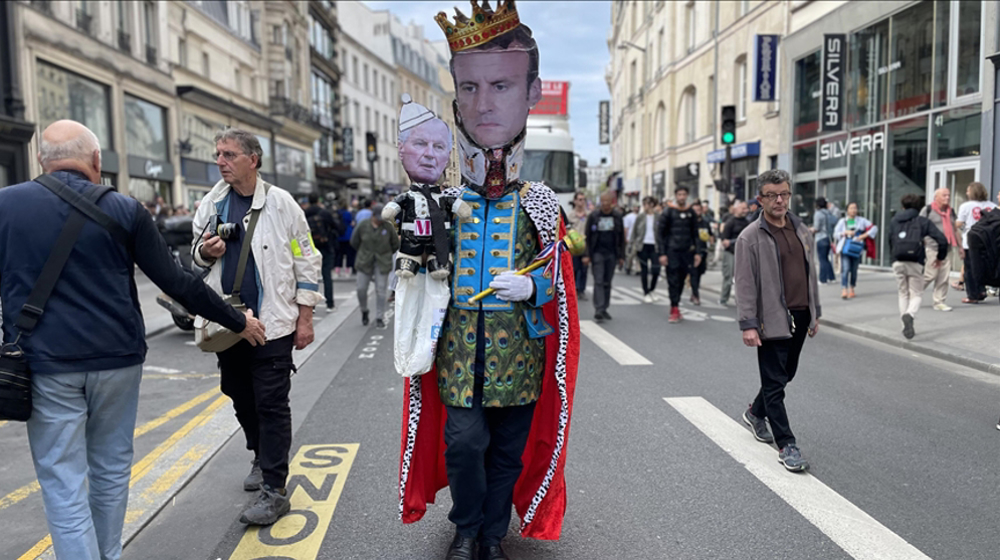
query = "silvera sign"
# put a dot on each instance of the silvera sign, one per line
(832, 107)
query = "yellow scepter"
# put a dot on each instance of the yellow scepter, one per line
(574, 243)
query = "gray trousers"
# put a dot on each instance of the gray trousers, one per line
(381, 281)
(728, 261)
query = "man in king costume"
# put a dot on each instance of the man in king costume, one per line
(491, 420)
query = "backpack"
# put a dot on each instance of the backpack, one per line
(984, 243)
(908, 246)
(317, 226)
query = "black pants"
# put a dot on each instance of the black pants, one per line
(679, 265)
(974, 289)
(778, 361)
(696, 272)
(483, 459)
(580, 274)
(649, 263)
(328, 263)
(258, 379)
(604, 271)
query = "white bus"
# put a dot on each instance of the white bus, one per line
(548, 146)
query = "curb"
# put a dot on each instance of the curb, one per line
(973, 363)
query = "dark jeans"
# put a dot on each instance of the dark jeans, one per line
(849, 270)
(345, 255)
(258, 379)
(974, 289)
(778, 361)
(604, 270)
(696, 272)
(328, 264)
(826, 273)
(580, 274)
(679, 265)
(483, 459)
(649, 263)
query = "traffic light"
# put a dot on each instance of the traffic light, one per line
(728, 124)
(372, 141)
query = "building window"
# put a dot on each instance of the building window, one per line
(237, 79)
(182, 54)
(374, 82)
(124, 38)
(807, 97)
(365, 74)
(354, 64)
(368, 120)
(744, 7)
(660, 130)
(661, 57)
(691, 22)
(633, 78)
(385, 92)
(276, 35)
(65, 95)
(632, 144)
(956, 133)
(690, 113)
(205, 64)
(145, 129)
(966, 46)
(149, 21)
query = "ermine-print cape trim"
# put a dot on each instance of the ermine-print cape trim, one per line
(540, 493)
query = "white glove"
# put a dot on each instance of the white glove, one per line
(511, 287)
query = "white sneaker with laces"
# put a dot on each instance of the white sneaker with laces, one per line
(647, 298)
(942, 307)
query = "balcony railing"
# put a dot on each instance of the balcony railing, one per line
(151, 54)
(124, 40)
(282, 106)
(83, 20)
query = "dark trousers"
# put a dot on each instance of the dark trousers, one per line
(826, 273)
(258, 379)
(345, 255)
(679, 265)
(649, 263)
(696, 272)
(778, 361)
(974, 289)
(580, 274)
(604, 270)
(328, 264)
(483, 459)
(849, 270)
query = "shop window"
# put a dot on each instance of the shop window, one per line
(907, 169)
(942, 16)
(65, 95)
(145, 129)
(869, 54)
(805, 158)
(807, 97)
(957, 133)
(199, 134)
(833, 153)
(154, 194)
(835, 193)
(803, 200)
(966, 44)
(909, 70)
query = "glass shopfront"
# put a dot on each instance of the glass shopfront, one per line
(912, 112)
(65, 95)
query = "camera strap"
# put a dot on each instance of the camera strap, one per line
(31, 311)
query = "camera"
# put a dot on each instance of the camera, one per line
(223, 229)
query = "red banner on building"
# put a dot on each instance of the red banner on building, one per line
(555, 99)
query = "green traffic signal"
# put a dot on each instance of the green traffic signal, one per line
(728, 138)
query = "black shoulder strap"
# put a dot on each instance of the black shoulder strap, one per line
(32, 310)
(241, 266)
(87, 207)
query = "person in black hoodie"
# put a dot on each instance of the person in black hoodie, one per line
(906, 241)
(677, 232)
(605, 249)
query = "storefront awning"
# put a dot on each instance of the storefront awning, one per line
(739, 151)
(211, 101)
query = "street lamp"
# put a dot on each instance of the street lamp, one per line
(625, 45)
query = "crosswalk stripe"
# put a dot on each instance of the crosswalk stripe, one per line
(847, 525)
(618, 350)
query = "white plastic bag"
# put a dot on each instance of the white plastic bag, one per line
(421, 304)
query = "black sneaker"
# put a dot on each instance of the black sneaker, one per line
(329, 306)
(791, 458)
(758, 426)
(607, 315)
(379, 324)
(364, 318)
(270, 505)
(908, 326)
(253, 480)
(599, 318)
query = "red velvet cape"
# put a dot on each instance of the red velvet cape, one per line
(540, 493)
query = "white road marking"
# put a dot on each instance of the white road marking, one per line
(158, 369)
(853, 530)
(615, 348)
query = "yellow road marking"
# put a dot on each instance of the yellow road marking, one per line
(316, 478)
(143, 467)
(3, 423)
(163, 484)
(32, 487)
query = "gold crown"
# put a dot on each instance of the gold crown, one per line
(484, 25)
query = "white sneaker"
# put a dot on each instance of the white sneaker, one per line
(654, 296)
(647, 298)
(942, 307)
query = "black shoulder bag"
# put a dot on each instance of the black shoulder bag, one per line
(15, 375)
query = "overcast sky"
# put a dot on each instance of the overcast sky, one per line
(572, 44)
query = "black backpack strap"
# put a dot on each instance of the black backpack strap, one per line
(88, 207)
(31, 311)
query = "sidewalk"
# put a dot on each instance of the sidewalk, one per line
(969, 335)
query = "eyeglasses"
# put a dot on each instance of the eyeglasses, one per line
(773, 196)
(228, 156)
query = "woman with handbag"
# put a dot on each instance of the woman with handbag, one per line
(850, 233)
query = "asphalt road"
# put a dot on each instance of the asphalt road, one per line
(907, 441)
